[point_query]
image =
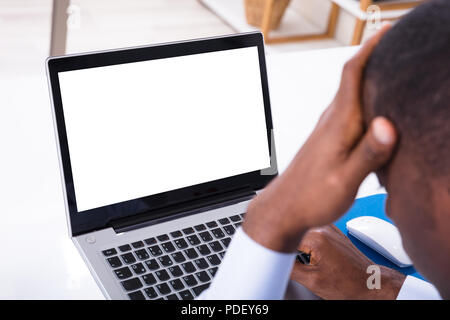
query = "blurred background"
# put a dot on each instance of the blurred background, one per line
(26, 25)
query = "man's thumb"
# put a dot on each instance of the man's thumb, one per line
(373, 151)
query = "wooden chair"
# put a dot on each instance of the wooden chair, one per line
(357, 9)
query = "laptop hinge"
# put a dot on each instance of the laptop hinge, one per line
(181, 210)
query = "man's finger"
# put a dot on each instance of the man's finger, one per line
(302, 272)
(372, 152)
(313, 254)
(337, 230)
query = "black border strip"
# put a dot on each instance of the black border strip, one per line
(99, 218)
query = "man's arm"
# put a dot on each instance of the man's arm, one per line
(337, 271)
(338, 155)
(250, 271)
(321, 182)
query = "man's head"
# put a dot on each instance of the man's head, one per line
(407, 80)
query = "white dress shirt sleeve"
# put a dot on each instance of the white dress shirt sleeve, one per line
(416, 289)
(250, 271)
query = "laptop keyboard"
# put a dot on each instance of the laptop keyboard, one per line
(174, 266)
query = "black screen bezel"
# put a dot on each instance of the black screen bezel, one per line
(99, 218)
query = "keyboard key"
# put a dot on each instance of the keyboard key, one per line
(138, 268)
(109, 252)
(150, 241)
(163, 288)
(191, 253)
(226, 242)
(125, 248)
(203, 249)
(132, 284)
(221, 254)
(142, 254)
(177, 284)
(188, 267)
(155, 250)
(149, 279)
(213, 260)
(229, 230)
(178, 257)
(172, 297)
(200, 227)
(181, 243)
(123, 273)
(188, 231)
(200, 289)
(152, 264)
(218, 233)
(190, 280)
(216, 246)
(165, 261)
(128, 258)
(212, 224)
(162, 275)
(201, 263)
(163, 237)
(237, 225)
(203, 276)
(176, 234)
(206, 236)
(114, 262)
(176, 271)
(137, 244)
(224, 221)
(242, 215)
(193, 240)
(235, 218)
(213, 271)
(168, 247)
(186, 295)
(151, 293)
(137, 295)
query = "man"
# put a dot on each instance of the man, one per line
(407, 79)
(402, 133)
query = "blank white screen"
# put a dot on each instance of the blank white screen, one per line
(138, 129)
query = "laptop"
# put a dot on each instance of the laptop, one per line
(161, 149)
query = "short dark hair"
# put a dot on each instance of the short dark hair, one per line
(407, 80)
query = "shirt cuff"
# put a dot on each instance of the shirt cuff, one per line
(250, 271)
(416, 289)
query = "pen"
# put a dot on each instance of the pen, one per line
(303, 257)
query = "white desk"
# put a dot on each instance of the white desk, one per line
(38, 259)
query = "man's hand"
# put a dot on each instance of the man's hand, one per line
(321, 182)
(337, 269)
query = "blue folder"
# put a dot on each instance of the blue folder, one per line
(371, 206)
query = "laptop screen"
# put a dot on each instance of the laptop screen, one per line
(143, 128)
